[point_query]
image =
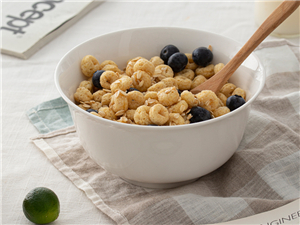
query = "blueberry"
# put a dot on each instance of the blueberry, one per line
(92, 110)
(96, 78)
(202, 56)
(131, 89)
(235, 101)
(199, 114)
(167, 51)
(178, 62)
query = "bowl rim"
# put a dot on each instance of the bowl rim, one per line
(143, 127)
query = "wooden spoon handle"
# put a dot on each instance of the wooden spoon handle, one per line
(283, 11)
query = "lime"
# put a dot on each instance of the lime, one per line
(41, 205)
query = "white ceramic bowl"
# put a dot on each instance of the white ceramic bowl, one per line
(152, 156)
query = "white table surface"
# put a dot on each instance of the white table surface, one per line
(27, 83)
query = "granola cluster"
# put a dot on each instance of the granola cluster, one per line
(148, 92)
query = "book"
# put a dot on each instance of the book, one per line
(288, 214)
(27, 26)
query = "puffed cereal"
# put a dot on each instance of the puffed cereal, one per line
(97, 96)
(220, 103)
(89, 65)
(157, 87)
(188, 73)
(221, 111)
(107, 113)
(112, 68)
(122, 84)
(208, 100)
(91, 104)
(179, 107)
(106, 99)
(240, 92)
(156, 60)
(96, 114)
(190, 57)
(222, 97)
(227, 89)
(96, 105)
(218, 67)
(199, 79)
(168, 96)
(190, 98)
(170, 82)
(175, 119)
(161, 98)
(158, 114)
(141, 115)
(130, 64)
(107, 78)
(151, 102)
(207, 71)
(191, 64)
(183, 82)
(141, 80)
(124, 119)
(130, 114)
(119, 103)
(163, 71)
(151, 94)
(87, 84)
(144, 65)
(84, 106)
(135, 99)
(107, 62)
(82, 94)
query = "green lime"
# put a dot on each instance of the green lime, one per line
(41, 205)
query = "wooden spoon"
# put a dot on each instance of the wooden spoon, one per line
(216, 82)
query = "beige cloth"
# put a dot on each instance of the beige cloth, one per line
(262, 175)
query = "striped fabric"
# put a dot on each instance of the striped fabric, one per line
(262, 175)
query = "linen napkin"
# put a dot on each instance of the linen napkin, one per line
(262, 175)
